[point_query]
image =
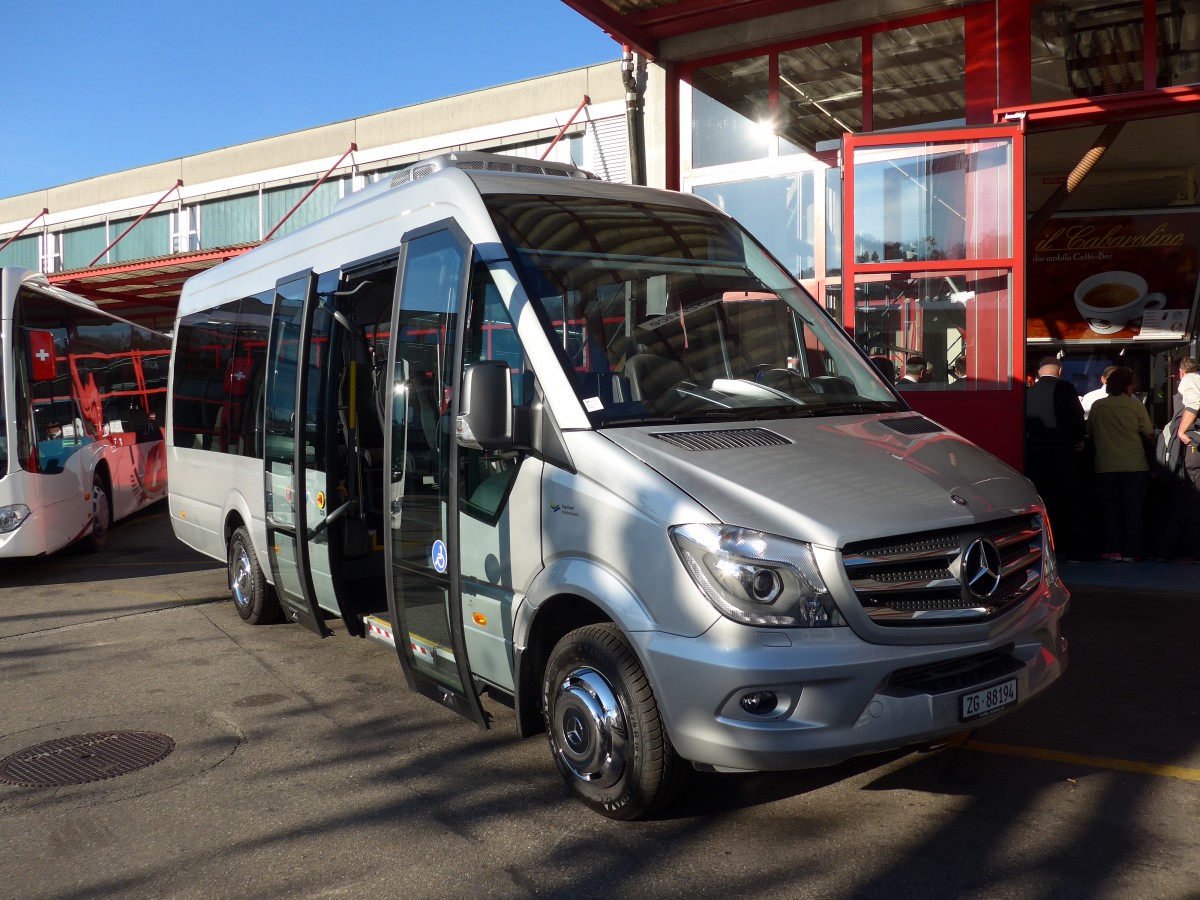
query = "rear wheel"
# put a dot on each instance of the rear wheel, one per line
(252, 597)
(605, 731)
(101, 517)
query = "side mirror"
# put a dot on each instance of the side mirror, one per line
(485, 419)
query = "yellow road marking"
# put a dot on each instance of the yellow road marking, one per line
(1079, 759)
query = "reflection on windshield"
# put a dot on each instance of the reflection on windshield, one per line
(3, 431)
(668, 314)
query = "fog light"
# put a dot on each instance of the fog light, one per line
(760, 703)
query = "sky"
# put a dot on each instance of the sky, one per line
(95, 88)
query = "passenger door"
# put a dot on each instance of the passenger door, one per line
(424, 575)
(293, 447)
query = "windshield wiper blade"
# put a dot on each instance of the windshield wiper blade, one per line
(639, 420)
(860, 406)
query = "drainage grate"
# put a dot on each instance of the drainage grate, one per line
(84, 758)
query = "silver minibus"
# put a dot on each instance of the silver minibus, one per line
(588, 450)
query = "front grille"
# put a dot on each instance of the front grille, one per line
(726, 439)
(918, 580)
(957, 674)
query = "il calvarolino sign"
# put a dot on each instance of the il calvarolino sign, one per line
(1114, 276)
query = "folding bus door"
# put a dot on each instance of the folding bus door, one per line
(293, 439)
(424, 574)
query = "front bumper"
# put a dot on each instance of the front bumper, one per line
(839, 696)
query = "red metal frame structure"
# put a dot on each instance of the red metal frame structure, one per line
(145, 291)
(24, 228)
(558, 137)
(992, 418)
(153, 206)
(642, 29)
(309, 193)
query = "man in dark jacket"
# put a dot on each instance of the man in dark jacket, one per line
(1054, 440)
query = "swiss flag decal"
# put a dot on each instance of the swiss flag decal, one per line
(41, 353)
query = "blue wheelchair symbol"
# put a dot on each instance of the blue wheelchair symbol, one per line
(438, 556)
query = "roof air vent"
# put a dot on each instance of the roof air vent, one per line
(732, 439)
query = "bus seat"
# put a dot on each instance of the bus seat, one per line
(651, 376)
(833, 384)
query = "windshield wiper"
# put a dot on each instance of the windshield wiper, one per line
(849, 406)
(639, 420)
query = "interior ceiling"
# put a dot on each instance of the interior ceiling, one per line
(1152, 163)
(145, 291)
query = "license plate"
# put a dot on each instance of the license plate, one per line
(986, 701)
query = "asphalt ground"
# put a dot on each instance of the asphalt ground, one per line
(304, 768)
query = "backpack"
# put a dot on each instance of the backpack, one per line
(1169, 452)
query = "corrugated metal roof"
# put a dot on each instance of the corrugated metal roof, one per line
(145, 291)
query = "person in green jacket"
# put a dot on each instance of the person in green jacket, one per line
(1117, 425)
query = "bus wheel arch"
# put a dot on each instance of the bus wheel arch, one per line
(102, 510)
(555, 618)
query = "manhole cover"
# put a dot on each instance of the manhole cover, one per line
(84, 758)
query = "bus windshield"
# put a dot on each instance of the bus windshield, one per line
(668, 314)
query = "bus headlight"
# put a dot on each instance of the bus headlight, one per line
(756, 578)
(12, 516)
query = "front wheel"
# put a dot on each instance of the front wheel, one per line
(253, 598)
(101, 517)
(605, 732)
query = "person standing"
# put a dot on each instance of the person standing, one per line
(916, 371)
(1118, 425)
(1099, 393)
(1054, 440)
(1183, 523)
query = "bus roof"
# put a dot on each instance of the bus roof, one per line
(365, 223)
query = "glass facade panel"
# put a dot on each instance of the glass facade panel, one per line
(81, 245)
(1094, 47)
(938, 330)
(779, 211)
(933, 201)
(21, 252)
(731, 114)
(150, 237)
(229, 221)
(279, 201)
(820, 93)
(919, 75)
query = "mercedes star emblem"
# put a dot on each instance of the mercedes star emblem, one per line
(981, 568)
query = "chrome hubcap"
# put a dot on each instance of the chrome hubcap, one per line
(240, 577)
(99, 512)
(588, 728)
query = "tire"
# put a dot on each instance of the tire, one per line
(605, 732)
(252, 597)
(101, 517)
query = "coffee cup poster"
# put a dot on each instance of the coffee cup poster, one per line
(1114, 277)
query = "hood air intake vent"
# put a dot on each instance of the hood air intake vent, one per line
(912, 425)
(735, 439)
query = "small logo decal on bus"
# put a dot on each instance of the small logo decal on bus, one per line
(438, 558)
